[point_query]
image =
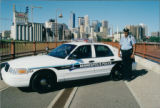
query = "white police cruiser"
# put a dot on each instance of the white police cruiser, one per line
(69, 61)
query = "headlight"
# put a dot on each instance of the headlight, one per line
(19, 70)
(12, 71)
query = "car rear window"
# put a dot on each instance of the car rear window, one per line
(102, 51)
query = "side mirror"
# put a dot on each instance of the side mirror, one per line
(73, 56)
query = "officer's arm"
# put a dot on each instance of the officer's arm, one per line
(119, 48)
(134, 45)
(134, 48)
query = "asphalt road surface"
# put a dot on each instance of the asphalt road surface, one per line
(18, 98)
(108, 94)
(103, 91)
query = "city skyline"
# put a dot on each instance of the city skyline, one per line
(117, 13)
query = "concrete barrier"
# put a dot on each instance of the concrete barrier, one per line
(148, 64)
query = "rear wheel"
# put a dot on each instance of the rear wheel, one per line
(116, 73)
(43, 82)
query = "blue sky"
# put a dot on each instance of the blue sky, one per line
(117, 13)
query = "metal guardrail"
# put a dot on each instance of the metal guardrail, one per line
(11, 50)
(146, 50)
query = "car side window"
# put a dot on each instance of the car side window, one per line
(82, 52)
(102, 51)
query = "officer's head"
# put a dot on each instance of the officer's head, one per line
(126, 32)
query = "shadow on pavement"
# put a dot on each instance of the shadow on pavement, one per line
(84, 82)
(70, 84)
(25, 89)
(89, 81)
(137, 73)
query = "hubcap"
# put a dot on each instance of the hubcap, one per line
(116, 72)
(43, 82)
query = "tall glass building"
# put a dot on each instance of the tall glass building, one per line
(72, 20)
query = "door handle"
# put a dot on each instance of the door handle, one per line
(112, 59)
(91, 61)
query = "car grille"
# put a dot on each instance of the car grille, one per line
(7, 67)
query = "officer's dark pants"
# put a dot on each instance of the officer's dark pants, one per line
(127, 63)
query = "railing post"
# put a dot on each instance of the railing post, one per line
(12, 49)
(144, 50)
(135, 48)
(48, 45)
(34, 48)
(56, 43)
(47, 48)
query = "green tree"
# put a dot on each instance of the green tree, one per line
(154, 39)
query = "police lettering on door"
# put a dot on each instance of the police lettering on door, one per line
(95, 64)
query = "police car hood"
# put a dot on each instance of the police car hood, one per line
(36, 61)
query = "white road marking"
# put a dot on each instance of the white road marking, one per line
(55, 99)
(68, 102)
(134, 94)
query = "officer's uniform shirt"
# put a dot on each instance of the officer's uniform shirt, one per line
(127, 42)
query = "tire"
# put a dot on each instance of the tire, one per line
(43, 81)
(116, 73)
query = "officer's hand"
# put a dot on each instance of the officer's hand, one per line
(132, 56)
(119, 55)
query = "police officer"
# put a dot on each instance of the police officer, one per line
(127, 48)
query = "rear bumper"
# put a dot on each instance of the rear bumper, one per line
(16, 80)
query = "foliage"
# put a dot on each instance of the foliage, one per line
(107, 40)
(154, 39)
(100, 39)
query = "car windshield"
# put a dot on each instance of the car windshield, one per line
(62, 51)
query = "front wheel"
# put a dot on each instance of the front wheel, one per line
(116, 73)
(43, 82)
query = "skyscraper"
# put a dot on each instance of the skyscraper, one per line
(72, 20)
(105, 23)
(145, 29)
(80, 21)
(139, 31)
(81, 26)
(96, 26)
(104, 28)
(86, 24)
(86, 20)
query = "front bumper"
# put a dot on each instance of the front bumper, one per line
(16, 80)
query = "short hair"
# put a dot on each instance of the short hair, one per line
(126, 30)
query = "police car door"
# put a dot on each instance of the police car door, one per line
(81, 59)
(103, 58)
